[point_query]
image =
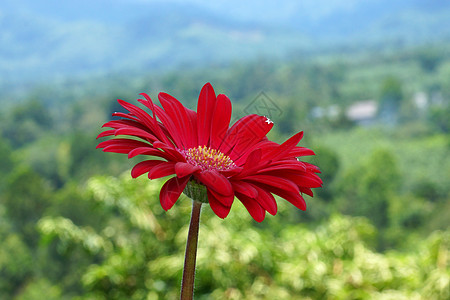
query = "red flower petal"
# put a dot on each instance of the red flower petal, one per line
(217, 207)
(294, 198)
(301, 151)
(265, 146)
(252, 164)
(116, 124)
(118, 149)
(284, 149)
(220, 120)
(122, 142)
(172, 129)
(192, 115)
(144, 167)
(256, 211)
(306, 191)
(291, 165)
(253, 132)
(244, 188)
(162, 170)
(177, 156)
(311, 168)
(245, 133)
(155, 125)
(215, 181)
(120, 145)
(149, 151)
(126, 115)
(183, 169)
(178, 114)
(135, 132)
(266, 200)
(106, 133)
(205, 109)
(253, 159)
(225, 200)
(309, 180)
(231, 172)
(143, 117)
(171, 190)
(274, 181)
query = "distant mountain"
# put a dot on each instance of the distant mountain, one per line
(48, 38)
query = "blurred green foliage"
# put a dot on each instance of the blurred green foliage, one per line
(374, 181)
(74, 225)
(142, 253)
(27, 122)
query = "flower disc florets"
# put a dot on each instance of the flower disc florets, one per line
(208, 159)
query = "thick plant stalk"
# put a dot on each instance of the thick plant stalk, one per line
(187, 284)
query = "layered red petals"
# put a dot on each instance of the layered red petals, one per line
(205, 109)
(162, 170)
(245, 188)
(148, 151)
(157, 128)
(283, 150)
(294, 198)
(254, 208)
(121, 143)
(230, 162)
(184, 169)
(217, 207)
(301, 151)
(216, 182)
(276, 182)
(226, 200)
(135, 132)
(171, 191)
(220, 121)
(300, 178)
(266, 200)
(179, 115)
(244, 134)
(144, 166)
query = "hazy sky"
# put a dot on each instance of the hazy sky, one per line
(251, 10)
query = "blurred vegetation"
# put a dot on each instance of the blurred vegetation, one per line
(74, 225)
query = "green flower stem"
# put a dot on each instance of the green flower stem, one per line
(187, 284)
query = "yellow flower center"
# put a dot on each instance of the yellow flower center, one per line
(208, 159)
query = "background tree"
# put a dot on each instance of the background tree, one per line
(391, 96)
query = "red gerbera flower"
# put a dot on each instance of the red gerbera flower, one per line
(208, 157)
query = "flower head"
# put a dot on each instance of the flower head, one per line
(204, 154)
